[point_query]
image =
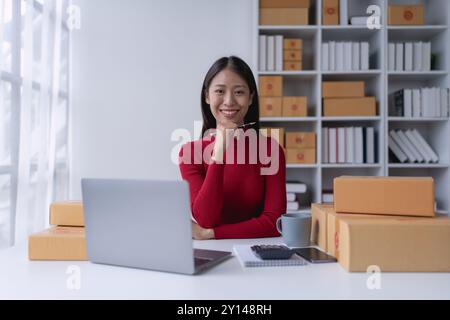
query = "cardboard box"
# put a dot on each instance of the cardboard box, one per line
(292, 55)
(279, 136)
(283, 16)
(284, 4)
(394, 244)
(404, 196)
(270, 107)
(406, 15)
(271, 86)
(300, 140)
(58, 243)
(330, 12)
(301, 156)
(67, 213)
(292, 44)
(295, 107)
(292, 65)
(348, 107)
(343, 89)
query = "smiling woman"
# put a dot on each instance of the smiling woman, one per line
(229, 198)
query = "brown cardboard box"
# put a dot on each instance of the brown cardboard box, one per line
(270, 107)
(292, 65)
(394, 244)
(292, 55)
(67, 213)
(284, 4)
(404, 196)
(330, 12)
(300, 140)
(295, 107)
(347, 107)
(271, 86)
(343, 89)
(268, 132)
(293, 44)
(58, 243)
(301, 156)
(406, 15)
(283, 16)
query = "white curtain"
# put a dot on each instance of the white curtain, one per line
(38, 120)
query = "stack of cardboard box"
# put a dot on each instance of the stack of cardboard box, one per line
(272, 102)
(301, 147)
(284, 12)
(65, 240)
(292, 54)
(347, 99)
(386, 222)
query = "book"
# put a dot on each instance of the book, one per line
(279, 53)
(290, 196)
(391, 57)
(398, 153)
(341, 145)
(325, 56)
(325, 147)
(370, 145)
(339, 56)
(332, 56)
(247, 258)
(406, 143)
(426, 56)
(343, 12)
(327, 197)
(407, 106)
(393, 134)
(295, 187)
(409, 56)
(292, 205)
(270, 53)
(262, 52)
(348, 50)
(365, 56)
(444, 102)
(332, 143)
(399, 57)
(356, 56)
(359, 20)
(416, 104)
(416, 144)
(359, 145)
(349, 141)
(426, 146)
(417, 56)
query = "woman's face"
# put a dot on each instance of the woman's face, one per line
(229, 98)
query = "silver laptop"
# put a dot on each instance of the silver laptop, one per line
(142, 224)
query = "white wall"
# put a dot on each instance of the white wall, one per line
(138, 67)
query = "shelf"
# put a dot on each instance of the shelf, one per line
(418, 119)
(329, 119)
(301, 166)
(288, 119)
(418, 166)
(357, 72)
(350, 165)
(301, 74)
(416, 75)
(288, 27)
(418, 28)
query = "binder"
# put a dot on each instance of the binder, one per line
(279, 53)
(262, 52)
(325, 57)
(247, 258)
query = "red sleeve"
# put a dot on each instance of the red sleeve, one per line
(274, 206)
(206, 188)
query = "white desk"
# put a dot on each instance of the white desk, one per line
(23, 279)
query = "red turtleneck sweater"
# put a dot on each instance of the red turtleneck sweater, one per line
(234, 199)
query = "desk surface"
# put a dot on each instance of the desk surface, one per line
(23, 279)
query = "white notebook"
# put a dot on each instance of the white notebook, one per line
(247, 258)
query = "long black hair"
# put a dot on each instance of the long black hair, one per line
(241, 68)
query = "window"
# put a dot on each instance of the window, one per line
(34, 109)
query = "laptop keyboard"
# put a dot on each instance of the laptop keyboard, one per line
(200, 261)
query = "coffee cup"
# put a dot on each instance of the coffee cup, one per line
(295, 229)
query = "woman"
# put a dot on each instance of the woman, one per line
(231, 199)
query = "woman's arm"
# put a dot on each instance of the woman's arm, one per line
(274, 206)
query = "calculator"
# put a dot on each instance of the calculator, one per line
(272, 252)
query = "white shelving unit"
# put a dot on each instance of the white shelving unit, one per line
(379, 83)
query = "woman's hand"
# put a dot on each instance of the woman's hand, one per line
(223, 138)
(199, 233)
